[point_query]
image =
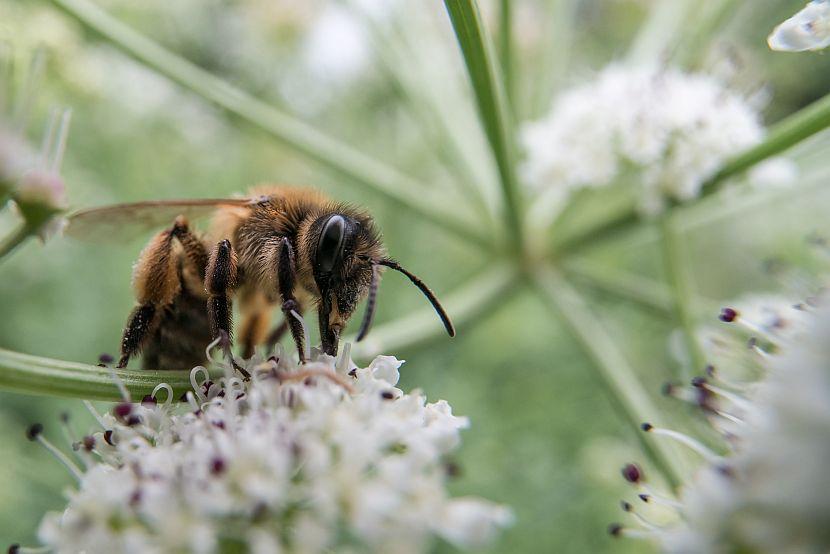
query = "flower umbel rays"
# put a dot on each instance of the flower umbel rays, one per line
(664, 130)
(297, 459)
(767, 492)
(809, 29)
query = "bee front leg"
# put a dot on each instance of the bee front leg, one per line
(156, 284)
(287, 277)
(220, 279)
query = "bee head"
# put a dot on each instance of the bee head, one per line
(343, 272)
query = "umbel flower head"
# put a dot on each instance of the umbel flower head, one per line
(661, 129)
(298, 459)
(766, 489)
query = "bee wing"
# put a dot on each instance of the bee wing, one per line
(123, 221)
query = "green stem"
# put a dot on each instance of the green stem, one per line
(464, 306)
(506, 51)
(489, 92)
(14, 239)
(27, 374)
(679, 277)
(613, 370)
(294, 133)
(642, 290)
(786, 133)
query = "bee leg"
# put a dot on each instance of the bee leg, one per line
(276, 334)
(156, 284)
(194, 250)
(257, 315)
(220, 278)
(286, 274)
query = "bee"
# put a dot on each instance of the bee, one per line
(286, 247)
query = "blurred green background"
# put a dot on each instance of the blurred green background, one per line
(545, 439)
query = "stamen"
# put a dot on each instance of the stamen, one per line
(343, 362)
(736, 399)
(657, 499)
(616, 530)
(35, 433)
(307, 345)
(66, 429)
(197, 387)
(753, 345)
(713, 373)
(167, 401)
(209, 351)
(17, 549)
(60, 143)
(682, 438)
(629, 508)
(95, 413)
(125, 394)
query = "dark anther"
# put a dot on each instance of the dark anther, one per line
(217, 466)
(626, 506)
(667, 389)
(88, 442)
(33, 431)
(699, 382)
(644, 497)
(64, 417)
(728, 315)
(219, 424)
(149, 400)
(387, 395)
(14, 549)
(710, 370)
(452, 469)
(353, 373)
(726, 470)
(133, 420)
(122, 410)
(105, 358)
(615, 529)
(108, 437)
(135, 498)
(646, 427)
(309, 382)
(632, 473)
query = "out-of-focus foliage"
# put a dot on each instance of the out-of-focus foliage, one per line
(544, 439)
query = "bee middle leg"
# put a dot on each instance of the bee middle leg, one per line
(220, 280)
(287, 277)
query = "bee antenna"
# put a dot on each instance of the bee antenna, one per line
(445, 319)
(371, 304)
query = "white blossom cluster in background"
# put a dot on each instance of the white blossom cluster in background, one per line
(662, 130)
(809, 29)
(765, 489)
(299, 459)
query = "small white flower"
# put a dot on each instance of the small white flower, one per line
(808, 29)
(299, 459)
(663, 131)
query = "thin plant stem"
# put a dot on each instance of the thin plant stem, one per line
(17, 237)
(646, 292)
(403, 68)
(679, 277)
(613, 370)
(302, 137)
(27, 374)
(477, 50)
(506, 52)
(786, 133)
(464, 305)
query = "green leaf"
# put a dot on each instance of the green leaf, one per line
(477, 49)
(302, 137)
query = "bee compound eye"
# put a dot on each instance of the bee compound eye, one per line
(330, 247)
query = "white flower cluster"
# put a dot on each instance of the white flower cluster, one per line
(298, 459)
(809, 29)
(768, 493)
(663, 130)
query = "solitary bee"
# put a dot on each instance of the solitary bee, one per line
(281, 246)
